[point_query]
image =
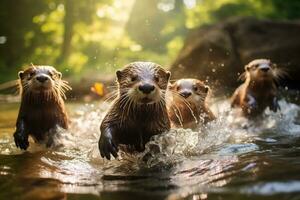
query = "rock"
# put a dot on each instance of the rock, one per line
(218, 53)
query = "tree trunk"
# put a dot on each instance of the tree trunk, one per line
(68, 30)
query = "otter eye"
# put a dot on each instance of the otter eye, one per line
(31, 74)
(195, 88)
(156, 78)
(52, 74)
(134, 78)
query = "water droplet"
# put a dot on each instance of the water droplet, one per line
(3, 39)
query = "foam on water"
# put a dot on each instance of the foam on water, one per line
(273, 188)
(192, 158)
(230, 133)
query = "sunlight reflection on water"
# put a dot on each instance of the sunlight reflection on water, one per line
(182, 160)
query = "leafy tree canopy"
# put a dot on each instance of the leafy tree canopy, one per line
(81, 36)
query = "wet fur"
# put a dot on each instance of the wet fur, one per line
(40, 113)
(186, 113)
(131, 124)
(256, 94)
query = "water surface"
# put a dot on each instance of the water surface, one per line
(231, 158)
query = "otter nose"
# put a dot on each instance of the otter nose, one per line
(42, 78)
(146, 88)
(185, 94)
(265, 69)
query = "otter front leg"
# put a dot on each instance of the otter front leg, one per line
(106, 143)
(235, 99)
(251, 101)
(250, 104)
(274, 105)
(20, 135)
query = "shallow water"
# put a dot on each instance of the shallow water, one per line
(230, 158)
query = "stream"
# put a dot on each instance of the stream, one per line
(230, 158)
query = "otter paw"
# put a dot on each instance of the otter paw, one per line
(21, 141)
(252, 104)
(275, 106)
(107, 147)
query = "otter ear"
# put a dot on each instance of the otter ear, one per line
(247, 67)
(171, 86)
(242, 77)
(21, 74)
(206, 89)
(59, 74)
(168, 75)
(119, 74)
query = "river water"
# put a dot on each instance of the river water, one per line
(230, 158)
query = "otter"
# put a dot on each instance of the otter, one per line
(187, 106)
(138, 112)
(42, 105)
(259, 89)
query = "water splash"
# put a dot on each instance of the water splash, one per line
(189, 160)
(178, 144)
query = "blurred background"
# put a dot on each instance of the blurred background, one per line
(90, 39)
(87, 40)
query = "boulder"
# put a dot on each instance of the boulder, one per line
(217, 53)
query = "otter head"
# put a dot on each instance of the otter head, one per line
(192, 90)
(143, 82)
(260, 70)
(42, 80)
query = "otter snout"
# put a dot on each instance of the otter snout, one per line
(146, 88)
(41, 82)
(264, 68)
(42, 78)
(185, 93)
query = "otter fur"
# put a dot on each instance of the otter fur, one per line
(259, 89)
(139, 111)
(187, 106)
(42, 106)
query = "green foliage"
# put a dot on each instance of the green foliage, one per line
(78, 36)
(285, 9)
(208, 12)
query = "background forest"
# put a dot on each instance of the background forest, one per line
(81, 36)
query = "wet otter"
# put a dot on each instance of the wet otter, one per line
(139, 111)
(42, 106)
(259, 90)
(187, 106)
